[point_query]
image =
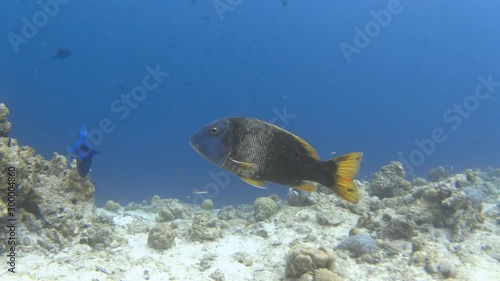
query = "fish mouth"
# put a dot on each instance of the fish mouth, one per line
(194, 146)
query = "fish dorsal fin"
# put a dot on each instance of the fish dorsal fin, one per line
(309, 149)
(256, 183)
(305, 186)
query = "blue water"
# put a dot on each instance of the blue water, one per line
(256, 59)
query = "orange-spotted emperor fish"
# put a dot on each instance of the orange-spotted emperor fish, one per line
(260, 152)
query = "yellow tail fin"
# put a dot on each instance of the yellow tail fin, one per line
(347, 168)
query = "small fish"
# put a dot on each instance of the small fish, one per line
(63, 53)
(9, 144)
(200, 192)
(83, 152)
(260, 152)
(284, 3)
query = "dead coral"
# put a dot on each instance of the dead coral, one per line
(204, 228)
(390, 181)
(311, 264)
(449, 208)
(161, 237)
(5, 125)
(438, 174)
(55, 200)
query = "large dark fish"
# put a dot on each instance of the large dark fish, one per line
(260, 152)
(83, 152)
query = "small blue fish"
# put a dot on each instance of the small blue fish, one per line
(84, 153)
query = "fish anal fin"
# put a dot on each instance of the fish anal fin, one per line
(256, 183)
(305, 186)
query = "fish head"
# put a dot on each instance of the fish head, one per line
(213, 141)
(83, 149)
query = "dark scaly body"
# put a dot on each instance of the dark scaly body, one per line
(277, 154)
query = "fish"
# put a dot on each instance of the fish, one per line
(83, 152)
(284, 3)
(63, 53)
(200, 192)
(260, 152)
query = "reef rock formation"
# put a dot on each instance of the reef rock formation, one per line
(5, 125)
(390, 181)
(264, 207)
(51, 199)
(311, 264)
(161, 237)
(204, 228)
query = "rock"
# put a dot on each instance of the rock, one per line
(155, 201)
(438, 174)
(418, 244)
(375, 203)
(165, 215)
(264, 208)
(112, 206)
(491, 247)
(203, 228)
(97, 237)
(298, 198)
(5, 125)
(132, 206)
(243, 258)
(217, 275)
(419, 181)
(227, 213)
(444, 205)
(303, 263)
(390, 181)
(207, 204)
(161, 237)
(397, 228)
(323, 274)
(262, 232)
(179, 210)
(358, 244)
(54, 195)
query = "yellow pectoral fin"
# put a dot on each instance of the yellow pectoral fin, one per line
(306, 186)
(256, 183)
(242, 165)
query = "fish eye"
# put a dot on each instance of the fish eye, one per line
(214, 131)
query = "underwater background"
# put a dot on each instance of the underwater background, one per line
(304, 67)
